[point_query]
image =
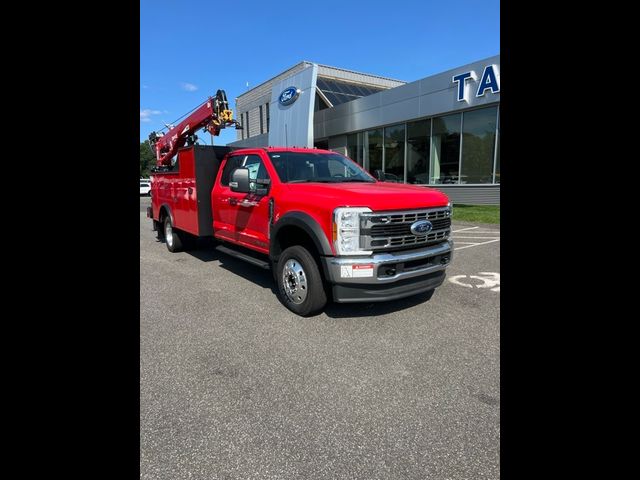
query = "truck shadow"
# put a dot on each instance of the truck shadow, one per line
(264, 278)
(251, 273)
(356, 310)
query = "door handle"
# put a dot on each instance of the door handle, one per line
(233, 201)
(190, 190)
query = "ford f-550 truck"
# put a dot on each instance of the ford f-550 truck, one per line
(326, 228)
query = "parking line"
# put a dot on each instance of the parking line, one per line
(471, 236)
(478, 244)
(463, 229)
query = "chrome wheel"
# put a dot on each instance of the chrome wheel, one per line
(168, 233)
(294, 280)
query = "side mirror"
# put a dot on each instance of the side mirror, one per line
(240, 180)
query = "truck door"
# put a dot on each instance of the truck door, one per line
(243, 218)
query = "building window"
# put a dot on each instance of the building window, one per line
(322, 144)
(445, 149)
(354, 147)
(247, 117)
(418, 140)
(478, 145)
(372, 154)
(261, 122)
(267, 117)
(394, 153)
(319, 104)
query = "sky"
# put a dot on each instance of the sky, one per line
(189, 50)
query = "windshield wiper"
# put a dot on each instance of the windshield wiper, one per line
(356, 180)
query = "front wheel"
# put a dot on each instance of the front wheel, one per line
(300, 286)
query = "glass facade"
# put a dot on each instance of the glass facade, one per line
(445, 149)
(319, 104)
(460, 148)
(394, 153)
(354, 147)
(338, 92)
(372, 151)
(478, 145)
(418, 141)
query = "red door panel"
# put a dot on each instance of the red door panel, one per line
(241, 218)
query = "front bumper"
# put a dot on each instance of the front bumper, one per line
(388, 276)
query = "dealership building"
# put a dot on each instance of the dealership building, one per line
(440, 131)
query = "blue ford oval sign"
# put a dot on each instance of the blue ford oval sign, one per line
(289, 95)
(421, 227)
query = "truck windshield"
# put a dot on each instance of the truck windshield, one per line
(299, 167)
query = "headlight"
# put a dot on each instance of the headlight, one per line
(450, 205)
(346, 230)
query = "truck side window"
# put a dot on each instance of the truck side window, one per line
(256, 170)
(252, 162)
(230, 166)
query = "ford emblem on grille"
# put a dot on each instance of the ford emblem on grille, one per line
(421, 227)
(289, 95)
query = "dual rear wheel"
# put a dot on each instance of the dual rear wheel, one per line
(176, 240)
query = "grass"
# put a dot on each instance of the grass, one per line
(477, 213)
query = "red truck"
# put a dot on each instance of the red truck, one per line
(322, 224)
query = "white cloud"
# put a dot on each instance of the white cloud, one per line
(189, 87)
(145, 114)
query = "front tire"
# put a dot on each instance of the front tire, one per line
(300, 285)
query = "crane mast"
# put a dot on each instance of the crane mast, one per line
(213, 115)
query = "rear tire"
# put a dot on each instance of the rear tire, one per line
(171, 237)
(300, 284)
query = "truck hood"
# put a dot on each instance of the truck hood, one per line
(378, 196)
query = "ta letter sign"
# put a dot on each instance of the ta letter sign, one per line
(488, 81)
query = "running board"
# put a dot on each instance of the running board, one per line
(243, 256)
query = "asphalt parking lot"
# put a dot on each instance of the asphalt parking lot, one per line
(234, 386)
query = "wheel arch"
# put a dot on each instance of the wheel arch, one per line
(297, 226)
(165, 210)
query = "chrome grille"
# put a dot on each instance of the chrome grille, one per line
(392, 230)
(405, 228)
(410, 217)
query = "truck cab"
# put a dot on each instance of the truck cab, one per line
(324, 226)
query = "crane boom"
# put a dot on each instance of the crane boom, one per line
(213, 115)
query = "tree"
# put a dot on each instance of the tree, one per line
(147, 159)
